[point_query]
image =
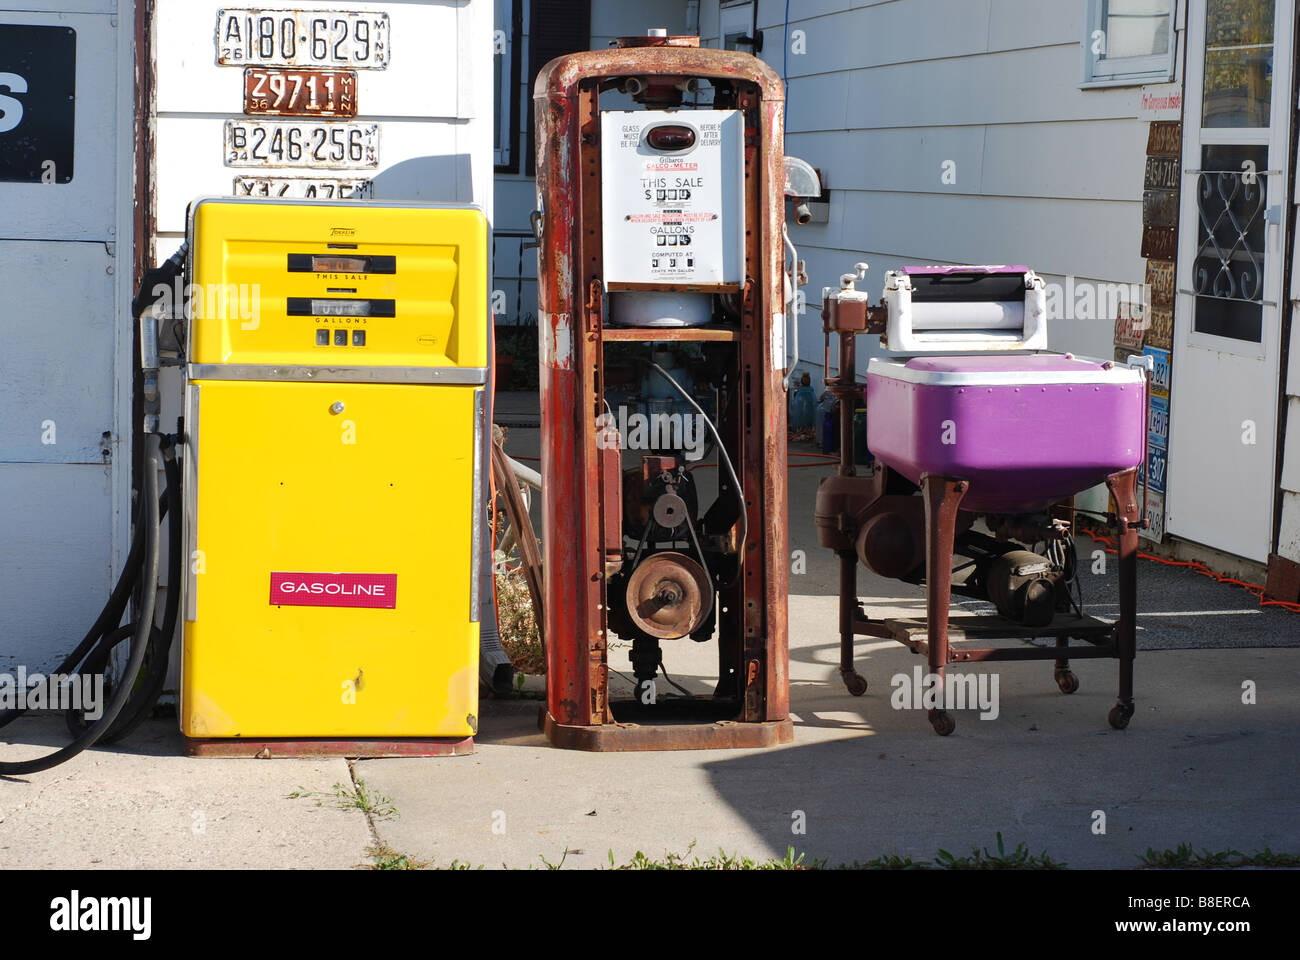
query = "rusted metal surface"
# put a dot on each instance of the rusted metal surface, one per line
(718, 735)
(668, 595)
(1123, 487)
(291, 92)
(144, 219)
(942, 496)
(266, 749)
(572, 333)
(611, 498)
(1283, 581)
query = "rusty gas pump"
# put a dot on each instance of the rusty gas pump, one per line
(662, 318)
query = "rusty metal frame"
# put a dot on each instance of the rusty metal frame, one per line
(572, 333)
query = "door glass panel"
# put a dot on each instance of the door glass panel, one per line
(1228, 273)
(1238, 63)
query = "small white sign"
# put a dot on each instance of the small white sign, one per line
(1163, 101)
(672, 196)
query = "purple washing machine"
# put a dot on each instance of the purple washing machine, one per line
(1026, 431)
(981, 438)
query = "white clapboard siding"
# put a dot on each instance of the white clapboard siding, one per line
(886, 97)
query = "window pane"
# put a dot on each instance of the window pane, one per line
(1238, 63)
(1136, 28)
(1228, 273)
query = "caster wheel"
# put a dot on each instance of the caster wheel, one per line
(942, 723)
(856, 684)
(1067, 681)
(1119, 716)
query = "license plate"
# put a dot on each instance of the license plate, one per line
(302, 38)
(1161, 173)
(1129, 325)
(1160, 278)
(1158, 422)
(304, 188)
(270, 91)
(275, 143)
(1156, 514)
(1161, 375)
(1154, 473)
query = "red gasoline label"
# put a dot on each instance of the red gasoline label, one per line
(373, 590)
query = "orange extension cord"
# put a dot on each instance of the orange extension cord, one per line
(1253, 588)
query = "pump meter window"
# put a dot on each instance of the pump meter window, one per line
(672, 197)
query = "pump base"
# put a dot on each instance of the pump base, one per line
(719, 735)
(288, 747)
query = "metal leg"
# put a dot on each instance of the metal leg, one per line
(1123, 487)
(854, 682)
(1064, 676)
(942, 497)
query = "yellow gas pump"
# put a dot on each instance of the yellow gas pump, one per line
(337, 362)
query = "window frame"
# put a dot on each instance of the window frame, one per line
(505, 158)
(1125, 71)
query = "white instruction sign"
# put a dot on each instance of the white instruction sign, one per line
(672, 196)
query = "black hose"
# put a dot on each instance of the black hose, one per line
(150, 686)
(151, 511)
(109, 616)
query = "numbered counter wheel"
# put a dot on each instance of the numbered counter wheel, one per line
(1119, 716)
(942, 723)
(1067, 681)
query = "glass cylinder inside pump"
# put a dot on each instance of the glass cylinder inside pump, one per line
(660, 308)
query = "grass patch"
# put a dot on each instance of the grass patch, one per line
(384, 857)
(719, 861)
(1185, 857)
(351, 797)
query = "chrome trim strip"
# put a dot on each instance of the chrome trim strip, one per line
(301, 374)
(476, 530)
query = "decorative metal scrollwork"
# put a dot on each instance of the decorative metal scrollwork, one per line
(1230, 205)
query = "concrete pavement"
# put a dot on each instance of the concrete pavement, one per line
(1197, 764)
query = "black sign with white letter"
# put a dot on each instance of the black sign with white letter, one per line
(38, 74)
